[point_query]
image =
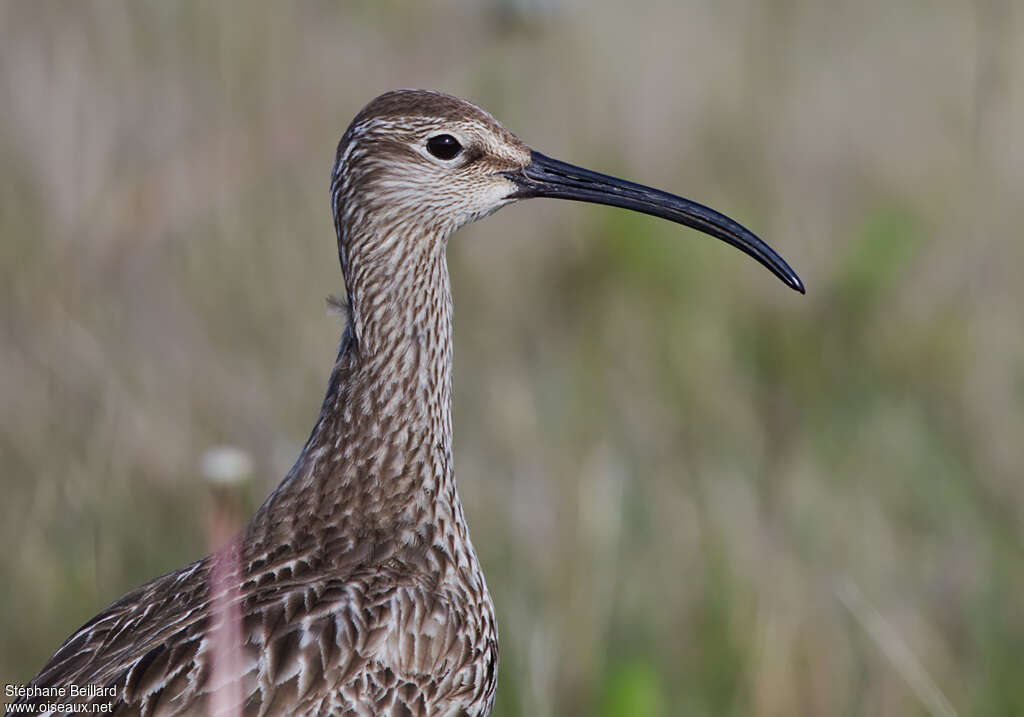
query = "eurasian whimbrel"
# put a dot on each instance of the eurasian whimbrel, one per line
(355, 587)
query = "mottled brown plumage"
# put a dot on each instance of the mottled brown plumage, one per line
(355, 589)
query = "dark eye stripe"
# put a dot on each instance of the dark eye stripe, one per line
(444, 146)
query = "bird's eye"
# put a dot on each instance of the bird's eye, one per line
(444, 146)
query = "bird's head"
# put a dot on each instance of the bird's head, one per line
(420, 158)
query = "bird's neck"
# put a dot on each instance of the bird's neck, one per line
(379, 460)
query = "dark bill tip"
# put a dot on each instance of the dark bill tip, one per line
(547, 177)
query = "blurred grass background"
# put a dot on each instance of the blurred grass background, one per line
(693, 491)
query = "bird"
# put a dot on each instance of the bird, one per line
(355, 589)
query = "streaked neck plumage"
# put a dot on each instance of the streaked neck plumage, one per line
(379, 460)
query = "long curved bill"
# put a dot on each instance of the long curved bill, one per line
(547, 177)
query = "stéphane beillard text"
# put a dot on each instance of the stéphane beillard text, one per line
(30, 692)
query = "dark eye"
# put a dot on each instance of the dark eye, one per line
(444, 146)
